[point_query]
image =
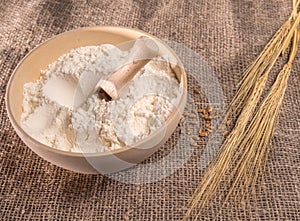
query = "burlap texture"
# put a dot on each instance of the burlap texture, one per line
(228, 34)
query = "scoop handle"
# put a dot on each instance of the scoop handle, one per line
(141, 53)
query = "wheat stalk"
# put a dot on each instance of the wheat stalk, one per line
(254, 147)
(247, 97)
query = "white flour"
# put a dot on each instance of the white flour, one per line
(98, 125)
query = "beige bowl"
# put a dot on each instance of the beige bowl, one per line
(28, 70)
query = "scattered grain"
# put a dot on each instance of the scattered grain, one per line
(197, 91)
(194, 144)
(182, 120)
(209, 109)
(196, 138)
(192, 115)
(208, 130)
(191, 101)
(207, 117)
(202, 133)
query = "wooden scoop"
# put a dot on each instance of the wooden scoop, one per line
(143, 50)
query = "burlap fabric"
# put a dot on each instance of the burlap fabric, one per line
(228, 34)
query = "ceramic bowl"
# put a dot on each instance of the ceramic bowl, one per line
(28, 70)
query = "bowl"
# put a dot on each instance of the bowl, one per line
(28, 70)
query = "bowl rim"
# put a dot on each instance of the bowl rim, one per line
(18, 127)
